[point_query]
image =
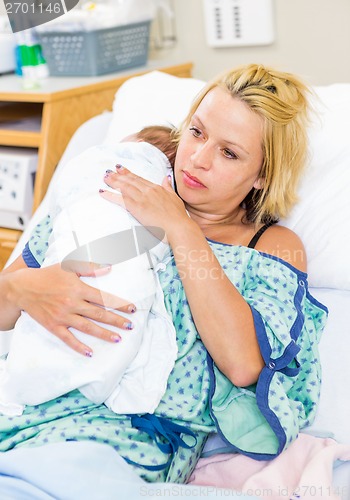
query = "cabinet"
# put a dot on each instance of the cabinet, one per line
(46, 118)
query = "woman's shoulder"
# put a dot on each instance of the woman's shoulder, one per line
(285, 244)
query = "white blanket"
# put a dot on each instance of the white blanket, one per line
(129, 376)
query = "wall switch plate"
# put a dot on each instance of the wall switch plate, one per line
(238, 22)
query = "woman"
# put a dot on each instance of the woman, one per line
(247, 328)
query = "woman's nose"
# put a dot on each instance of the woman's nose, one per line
(202, 157)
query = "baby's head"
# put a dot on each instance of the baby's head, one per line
(159, 136)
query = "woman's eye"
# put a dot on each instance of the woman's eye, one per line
(229, 154)
(195, 131)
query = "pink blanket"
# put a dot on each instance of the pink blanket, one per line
(303, 471)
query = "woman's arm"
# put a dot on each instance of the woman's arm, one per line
(58, 299)
(10, 310)
(222, 316)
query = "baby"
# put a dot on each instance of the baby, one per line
(129, 376)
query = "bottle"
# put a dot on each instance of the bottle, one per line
(31, 62)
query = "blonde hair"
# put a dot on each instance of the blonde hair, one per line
(281, 100)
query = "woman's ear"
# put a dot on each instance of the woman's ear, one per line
(259, 183)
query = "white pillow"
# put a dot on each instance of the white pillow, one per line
(321, 217)
(152, 99)
(334, 408)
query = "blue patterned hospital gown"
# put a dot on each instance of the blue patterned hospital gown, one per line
(259, 421)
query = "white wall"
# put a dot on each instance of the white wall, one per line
(312, 40)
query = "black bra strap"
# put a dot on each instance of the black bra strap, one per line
(257, 235)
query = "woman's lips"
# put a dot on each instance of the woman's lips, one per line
(191, 181)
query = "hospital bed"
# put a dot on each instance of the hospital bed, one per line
(321, 218)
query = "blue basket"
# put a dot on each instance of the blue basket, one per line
(97, 52)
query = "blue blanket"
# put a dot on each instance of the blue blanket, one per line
(77, 470)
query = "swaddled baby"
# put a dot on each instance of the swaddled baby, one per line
(129, 376)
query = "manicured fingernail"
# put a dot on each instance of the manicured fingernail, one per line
(88, 354)
(128, 325)
(119, 167)
(132, 309)
(101, 190)
(116, 338)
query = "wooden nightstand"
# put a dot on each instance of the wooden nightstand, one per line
(8, 241)
(46, 119)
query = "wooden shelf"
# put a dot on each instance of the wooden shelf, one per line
(20, 124)
(20, 116)
(20, 139)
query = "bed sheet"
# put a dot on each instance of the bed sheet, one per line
(333, 415)
(85, 470)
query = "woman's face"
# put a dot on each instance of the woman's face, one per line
(219, 156)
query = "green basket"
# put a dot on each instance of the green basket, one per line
(97, 52)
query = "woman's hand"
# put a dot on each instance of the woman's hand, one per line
(58, 299)
(149, 203)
